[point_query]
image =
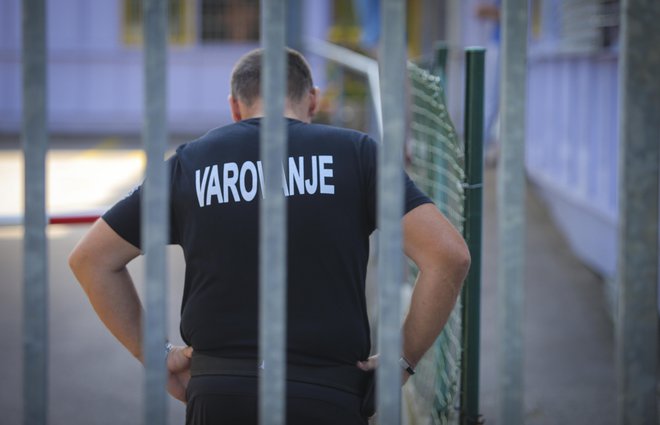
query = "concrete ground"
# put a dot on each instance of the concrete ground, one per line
(92, 378)
(569, 375)
(568, 368)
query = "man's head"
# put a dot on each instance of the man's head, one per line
(245, 98)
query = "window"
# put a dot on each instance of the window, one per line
(577, 26)
(217, 20)
(180, 24)
(609, 23)
(229, 20)
(589, 25)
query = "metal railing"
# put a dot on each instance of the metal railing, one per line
(155, 210)
(355, 62)
(155, 213)
(390, 210)
(511, 209)
(273, 220)
(35, 260)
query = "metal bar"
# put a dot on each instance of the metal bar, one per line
(155, 211)
(294, 17)
(272, 216)
(390, 210)
(511, 209)
(35, 255)
(471, 297)
(637, 330)
(356, 62)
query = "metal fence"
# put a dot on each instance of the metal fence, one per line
(154, 219)
(451, 172)
(437, 167)
(35, 141)
(446, 389)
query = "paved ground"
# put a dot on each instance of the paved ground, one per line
(569, 369)
(568, 336)
(93, 380)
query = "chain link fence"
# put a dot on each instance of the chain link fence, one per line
(435, 162)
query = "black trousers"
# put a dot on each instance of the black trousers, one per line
(232, 400)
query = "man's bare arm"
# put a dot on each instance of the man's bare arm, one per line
(99, 263)
(443, 259)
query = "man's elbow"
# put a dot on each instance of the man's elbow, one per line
(454, 261)
(79, 261)
(75, 260)
(462, 261)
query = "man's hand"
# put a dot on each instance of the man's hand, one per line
(372, 363)
(178, 372)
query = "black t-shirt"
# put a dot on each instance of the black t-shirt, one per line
(329, 179)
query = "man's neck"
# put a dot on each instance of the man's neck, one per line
(256, 111)
(287, 114)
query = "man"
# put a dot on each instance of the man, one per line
(329, 179)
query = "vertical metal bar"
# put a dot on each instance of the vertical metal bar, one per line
(35, 258)
(471, 297)
(511, 209)
(390, 210)
(272, 216)
(294, 16)
(637, 330)
(155, 211)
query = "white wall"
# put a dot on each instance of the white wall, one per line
(572, 149)
(572, 130)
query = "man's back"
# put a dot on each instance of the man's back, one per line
(328, 179)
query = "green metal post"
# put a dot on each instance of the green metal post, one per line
(471, 297)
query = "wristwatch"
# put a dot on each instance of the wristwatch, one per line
(405, 365)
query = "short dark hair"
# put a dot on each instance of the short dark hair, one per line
(246, 76)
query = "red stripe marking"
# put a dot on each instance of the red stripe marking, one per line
(81, 219)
